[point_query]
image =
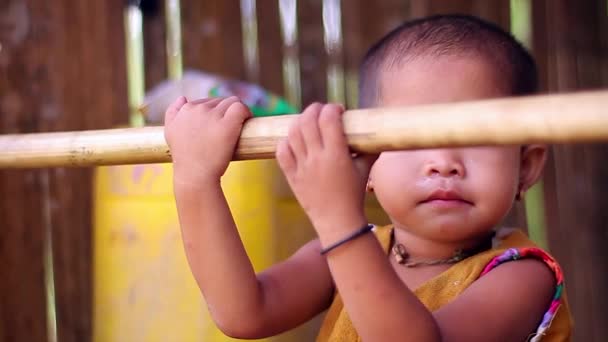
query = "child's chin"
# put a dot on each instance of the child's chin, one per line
(451, 230)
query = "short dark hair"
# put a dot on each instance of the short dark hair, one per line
(443, 35)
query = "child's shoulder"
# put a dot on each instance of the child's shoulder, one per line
(515, 279)
(536, 273)
(511, 244)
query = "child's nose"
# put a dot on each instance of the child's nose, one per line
(444, 163)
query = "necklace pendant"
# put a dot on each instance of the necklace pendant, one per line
(401, 255)
(459, 255)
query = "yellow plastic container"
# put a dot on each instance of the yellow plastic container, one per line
(143, 288)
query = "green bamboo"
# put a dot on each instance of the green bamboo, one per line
(291, 60)
(249, 27)
(133, 21)
(47, 251)
(521, 21)
(174, 39)
(521, 27)
(332, 29)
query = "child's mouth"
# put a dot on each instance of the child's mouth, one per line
(446, 199)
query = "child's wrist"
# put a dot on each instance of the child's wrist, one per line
(197, 183)
(348, 238)
(331, 231)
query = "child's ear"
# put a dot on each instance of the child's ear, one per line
(533, 159)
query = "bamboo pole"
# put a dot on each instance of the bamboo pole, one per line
(563, 118)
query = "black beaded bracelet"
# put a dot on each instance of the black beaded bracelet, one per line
(365, 229)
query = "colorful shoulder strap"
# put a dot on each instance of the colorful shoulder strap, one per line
(512, 254)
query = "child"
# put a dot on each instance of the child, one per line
(434, 273)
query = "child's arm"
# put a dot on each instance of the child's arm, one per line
(504, 305)
(202, 136)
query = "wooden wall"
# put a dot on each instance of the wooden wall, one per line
(62, 67)
(572, 50)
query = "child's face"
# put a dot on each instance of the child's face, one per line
(446, 194)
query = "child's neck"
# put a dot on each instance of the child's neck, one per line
(422, 248)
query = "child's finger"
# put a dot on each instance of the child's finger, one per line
(285, 157)
(208, 102)
(309, 123)
(332, 130)
(296, 141)
(223, 105)
(174, 108)
(238, 112)
(234, 109)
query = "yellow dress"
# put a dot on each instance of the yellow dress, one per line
(440, 290)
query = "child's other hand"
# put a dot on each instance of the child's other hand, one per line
(318, 165)
(202, 136)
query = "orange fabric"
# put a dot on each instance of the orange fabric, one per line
(442, 289)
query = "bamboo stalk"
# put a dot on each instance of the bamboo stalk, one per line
(288, 16)
(564, 118)
(173, 40)
(134, 41)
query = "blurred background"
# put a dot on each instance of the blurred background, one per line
(68, 274)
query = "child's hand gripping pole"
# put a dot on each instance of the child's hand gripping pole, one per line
(564, 118)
